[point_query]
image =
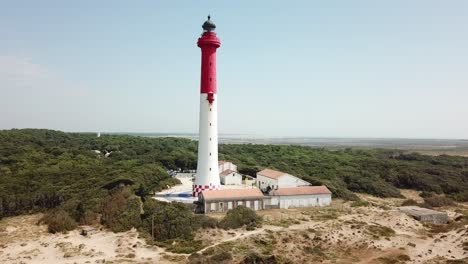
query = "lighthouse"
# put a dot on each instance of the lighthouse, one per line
(207, 176)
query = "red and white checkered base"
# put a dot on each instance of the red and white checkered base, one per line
(196, 189)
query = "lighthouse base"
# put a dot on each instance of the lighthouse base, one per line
(196, 189)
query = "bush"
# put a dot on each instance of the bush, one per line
(460, 197)
(409, 202)
(359, 204)
(121, 211)
(380, 231)
(58, 221)
(394, 259)
(220, 257)
(203, 221)
(240, 216)
(255, 258)
(437, 201)
(169, 220)
(426, 194)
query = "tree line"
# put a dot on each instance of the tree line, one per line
(45, 169)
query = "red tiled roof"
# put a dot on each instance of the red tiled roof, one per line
(229, 194)
(221, 162)
(302, 190)
(271, 173)
(226, 172)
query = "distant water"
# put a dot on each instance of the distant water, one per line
(396, 143)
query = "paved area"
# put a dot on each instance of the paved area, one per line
(180, 192)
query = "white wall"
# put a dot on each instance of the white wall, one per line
(207, 166)
(286, 180)
(290, 181)
(263, 182)
(294, 201)
(227, 166)
(232, 179)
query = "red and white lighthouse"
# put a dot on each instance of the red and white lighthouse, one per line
(207, 176)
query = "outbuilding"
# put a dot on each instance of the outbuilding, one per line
(425, 215)
(226, 165)
(303, 196)
(230, 177)
(269, 179)
(224, 200)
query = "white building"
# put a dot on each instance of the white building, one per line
(230, 177)
(226, 165)
(294, 197)
(228, 173)
(224, 200)
(277, 179)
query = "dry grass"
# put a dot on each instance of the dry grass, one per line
(394, 259)
(457, 225)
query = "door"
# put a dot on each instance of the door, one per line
(229, 205)
(247, 204)
(255, 205)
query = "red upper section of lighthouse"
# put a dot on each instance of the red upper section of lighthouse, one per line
(208, 43)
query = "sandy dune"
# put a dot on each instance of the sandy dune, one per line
(22, 241)
(345, 234)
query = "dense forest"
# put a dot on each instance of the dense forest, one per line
(379, 172)
(45, 169)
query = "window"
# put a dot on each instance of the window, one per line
(210, 139)
(210, 153)
(210, 169)
(210, 124)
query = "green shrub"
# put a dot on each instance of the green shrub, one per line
(380, 231)
(409, 202)
(169, 220)
(426, 194)
(58, 221)
(220, 257)
(121, 211)
(239, 217)
(438, 201)
(361, 203)
(197, 258)
(255, 258)
(203, 221)
(460, 197)
(318, 251)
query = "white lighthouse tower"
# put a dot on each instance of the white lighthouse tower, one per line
(207, 176)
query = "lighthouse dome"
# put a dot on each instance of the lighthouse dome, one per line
(209, 25)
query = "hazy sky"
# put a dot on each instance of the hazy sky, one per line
(285, 68)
